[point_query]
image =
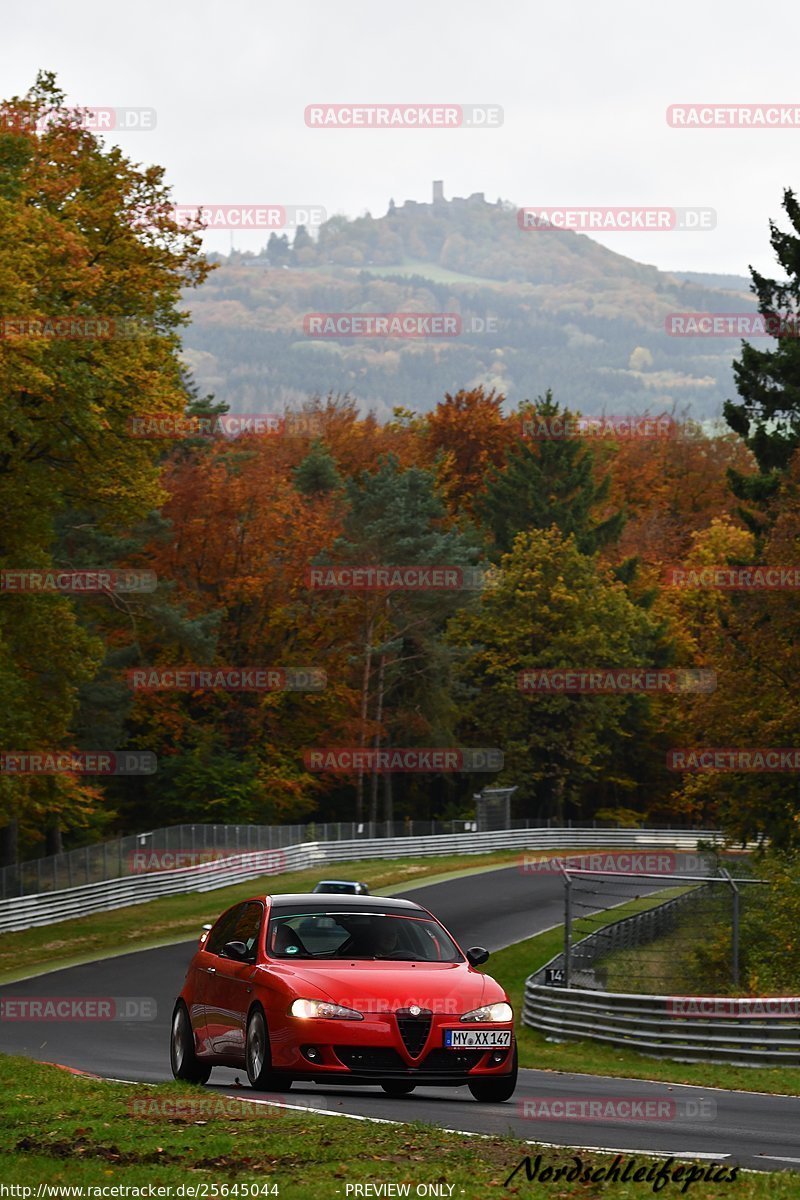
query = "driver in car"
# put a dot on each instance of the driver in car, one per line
(385, 939)
(375, 940)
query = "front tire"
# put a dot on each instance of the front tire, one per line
(497, 1090)
(258, 1059)
(398, 1087)
(182, 1054)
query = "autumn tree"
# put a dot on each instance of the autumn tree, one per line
(750, 638)
(396, 518)
(469, 435)
(554, 607)
(242, 537)
(670, 488)
(88, 247)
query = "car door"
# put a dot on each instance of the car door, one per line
(230, 982)
(209, 998)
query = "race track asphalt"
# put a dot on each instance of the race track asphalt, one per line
(493, 909)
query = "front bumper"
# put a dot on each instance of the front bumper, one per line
(377, 1049)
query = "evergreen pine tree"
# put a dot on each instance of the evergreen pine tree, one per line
(317, 474)
(767, 416)
(546, 482)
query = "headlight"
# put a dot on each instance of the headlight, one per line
(491, 1012)
(323, 1008)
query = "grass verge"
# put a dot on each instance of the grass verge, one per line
(683, 962)
(63, 1129)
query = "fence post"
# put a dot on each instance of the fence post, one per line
(734, 928)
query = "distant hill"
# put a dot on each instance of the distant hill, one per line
(539, 309)
(725, 283)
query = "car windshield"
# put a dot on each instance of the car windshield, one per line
(340, 888)
(359, 935)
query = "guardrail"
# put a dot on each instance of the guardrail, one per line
(192, 843)
(720, 1029)
(195, 842)
(46, 908)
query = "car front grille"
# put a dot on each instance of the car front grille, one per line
(369, 1058)
(452, 1060)
(414, 1029)
(385, 1061)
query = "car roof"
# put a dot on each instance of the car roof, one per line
(322, 900)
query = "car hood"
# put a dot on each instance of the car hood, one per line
(450, 988)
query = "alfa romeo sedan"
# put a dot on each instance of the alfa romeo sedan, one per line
(342, 989)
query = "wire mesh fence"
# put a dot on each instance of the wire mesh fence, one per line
(681, 935)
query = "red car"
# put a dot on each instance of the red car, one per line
(342, 989)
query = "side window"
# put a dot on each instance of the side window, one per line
(246, 927)
(221, 933)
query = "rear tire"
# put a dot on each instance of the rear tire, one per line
(182, 1054)
(398, 1087)
(258, 1058)
(498, 1089)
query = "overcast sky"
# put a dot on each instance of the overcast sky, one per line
(584, 89)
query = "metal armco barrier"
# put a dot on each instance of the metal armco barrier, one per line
(46, 908)
(649, 1025)
(685, 1029)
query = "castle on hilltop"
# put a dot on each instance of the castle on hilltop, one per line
(439, 200)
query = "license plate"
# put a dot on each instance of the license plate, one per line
(477, 1039)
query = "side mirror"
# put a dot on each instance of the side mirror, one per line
(476, 956)
(235, 950)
